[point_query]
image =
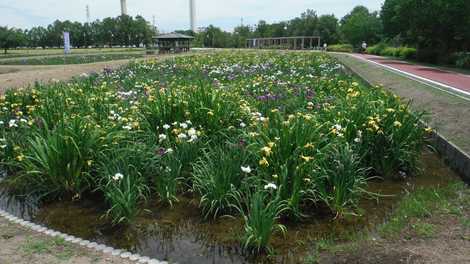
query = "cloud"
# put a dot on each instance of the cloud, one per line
(174, 14)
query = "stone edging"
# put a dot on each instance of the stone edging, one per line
(101, 248)
(454, 157)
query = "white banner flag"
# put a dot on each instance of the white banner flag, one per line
(66, 42)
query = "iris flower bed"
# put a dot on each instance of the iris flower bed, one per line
(261, 136)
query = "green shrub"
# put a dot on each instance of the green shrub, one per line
(376, 49)
(383, 50)
(341, 48)
(407, 53)
(463, 60)
(390, 52)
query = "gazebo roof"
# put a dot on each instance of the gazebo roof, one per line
(173, 36)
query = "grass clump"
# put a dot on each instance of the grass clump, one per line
(422, 204)
(261, 212)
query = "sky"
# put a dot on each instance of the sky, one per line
(172, 14)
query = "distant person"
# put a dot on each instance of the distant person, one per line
(325, 46)
(364, 47)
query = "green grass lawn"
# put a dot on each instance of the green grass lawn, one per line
(71, 59)
(16, 53)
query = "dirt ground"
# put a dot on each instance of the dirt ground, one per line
(448, 244)
(22, 246)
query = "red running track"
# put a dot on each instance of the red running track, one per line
(455, 80)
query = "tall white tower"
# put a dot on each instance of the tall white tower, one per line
(192, 15)
(123, 7)
(87, 13)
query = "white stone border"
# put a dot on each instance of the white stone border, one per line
(101, 248)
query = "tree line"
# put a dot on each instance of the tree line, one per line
(122, 30)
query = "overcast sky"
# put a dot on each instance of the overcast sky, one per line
(172, 14)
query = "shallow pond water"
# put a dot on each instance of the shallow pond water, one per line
(180, 235)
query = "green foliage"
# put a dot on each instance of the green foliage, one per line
(400, 52)
(407, 53)
(168, 179)
(288, 150)
(260, 212)
(72, 59)
(422, 204)
(58, 161)
(294, 122)
(343, 180)
(123, 196)
(122, 183)
(217, 177)
(377, 49)
(10, 38)
(341, 48)
(361, 25)
(462, 60)
(424, 229)
(436, 27)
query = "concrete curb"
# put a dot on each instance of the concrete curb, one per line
(455, 158)
(101, 248)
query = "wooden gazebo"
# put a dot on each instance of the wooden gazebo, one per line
(173, 43)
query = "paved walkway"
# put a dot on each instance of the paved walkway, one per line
(457, 82)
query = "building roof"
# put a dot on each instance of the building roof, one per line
(174, 36)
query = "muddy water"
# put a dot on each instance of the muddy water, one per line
(179, 234)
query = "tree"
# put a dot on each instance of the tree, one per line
(143, 32)
(263, 30)
(328, 28)
(360, 25)
(240, 35)
(37, 37)
(436, 27)
(11, 38)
